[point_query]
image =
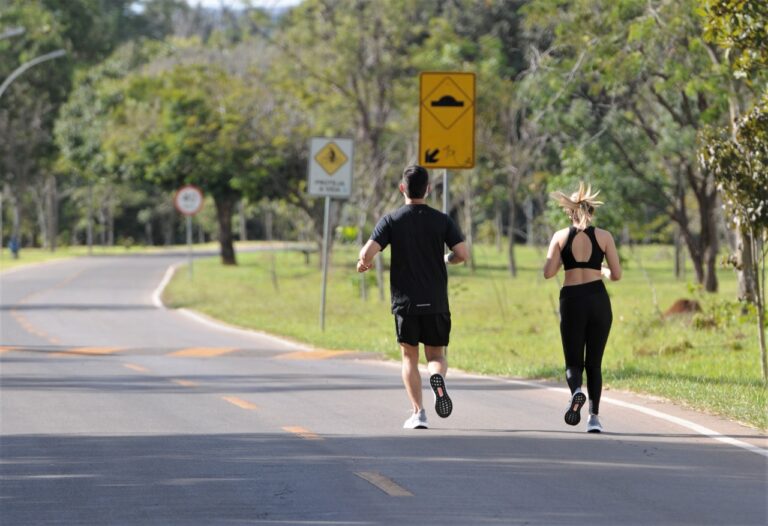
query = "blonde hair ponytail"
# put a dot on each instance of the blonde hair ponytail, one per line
(580, 205)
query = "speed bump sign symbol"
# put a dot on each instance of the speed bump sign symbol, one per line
(447, 120)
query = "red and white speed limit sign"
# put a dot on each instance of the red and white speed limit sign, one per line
(188, 200)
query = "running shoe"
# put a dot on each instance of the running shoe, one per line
(593, 425)
(417, 421)
(443, 404)
(572, 414)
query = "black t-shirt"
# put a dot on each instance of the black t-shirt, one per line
(418, 278)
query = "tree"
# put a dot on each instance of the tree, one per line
(740, 165)
(636, 79)
(741, 29)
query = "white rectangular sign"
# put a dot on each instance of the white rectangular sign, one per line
(330, 167)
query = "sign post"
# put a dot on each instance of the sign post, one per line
(189, 201)
(447, 123)
(330, 175)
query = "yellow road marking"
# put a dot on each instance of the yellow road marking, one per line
(88, 351)
(203, 352)
(387, 485)
(303, 433)
(310, 355)
(184, 383)
(239, 402)
(135, 367)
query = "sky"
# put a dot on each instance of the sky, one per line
(239, 3)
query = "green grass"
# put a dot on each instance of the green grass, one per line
(29, 256)
(508, 326)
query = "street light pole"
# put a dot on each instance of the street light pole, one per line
(24, 67)
(14, 31)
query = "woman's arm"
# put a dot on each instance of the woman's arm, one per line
(612, 258)
(552, 265)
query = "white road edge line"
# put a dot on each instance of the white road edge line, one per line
(216, 324)
(704, 431)
(693, 426)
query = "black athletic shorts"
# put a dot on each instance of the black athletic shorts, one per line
(429, 329)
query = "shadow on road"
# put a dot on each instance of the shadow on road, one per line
(277, 478)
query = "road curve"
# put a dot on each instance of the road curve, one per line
(116, 411)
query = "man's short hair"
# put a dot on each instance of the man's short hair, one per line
(415, 180)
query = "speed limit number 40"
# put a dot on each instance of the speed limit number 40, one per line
(188, 200)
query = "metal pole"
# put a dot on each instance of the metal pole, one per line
(189, 244)
(14, 31)
(326, 221)
(24, 67)
(445, 191)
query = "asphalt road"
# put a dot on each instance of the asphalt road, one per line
(114, 410)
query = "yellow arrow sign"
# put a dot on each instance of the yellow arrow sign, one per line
(447, 120)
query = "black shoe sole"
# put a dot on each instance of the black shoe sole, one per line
(443, 404)
(573, 415)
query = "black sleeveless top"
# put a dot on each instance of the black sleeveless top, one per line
(595, 260)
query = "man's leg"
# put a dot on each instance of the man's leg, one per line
(411, 376)
(437, 363)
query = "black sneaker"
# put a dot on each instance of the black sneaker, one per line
(572, 414)
(443, 404)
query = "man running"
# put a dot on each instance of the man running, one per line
(419, 286)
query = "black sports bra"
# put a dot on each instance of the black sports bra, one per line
(595, 260)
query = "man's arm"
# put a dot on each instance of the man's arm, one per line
(459, 254)
(367, 253)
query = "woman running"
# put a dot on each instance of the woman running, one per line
(585, 308)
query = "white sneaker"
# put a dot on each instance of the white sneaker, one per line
(417, 421)
(593, 425)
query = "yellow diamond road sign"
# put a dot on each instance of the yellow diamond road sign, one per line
(330, 158)
(330, 167)
(447, 120)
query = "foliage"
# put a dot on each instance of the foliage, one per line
(740, 166)
(740, 27)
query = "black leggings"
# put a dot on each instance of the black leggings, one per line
(585, 321)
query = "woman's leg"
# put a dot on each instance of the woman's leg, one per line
(598, 329)
(573, 336)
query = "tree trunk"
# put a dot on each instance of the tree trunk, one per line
(512, 263)
(498, 223)
(225, 205)
(42, 220)
(15, 219)
(528, 210)
(52, 212)
(757, 262)
(709, 239)
(148, 233)
(89, 232)
(241, 220)
(748, 285)
(679, 264)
